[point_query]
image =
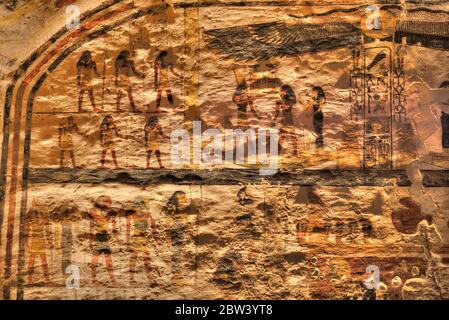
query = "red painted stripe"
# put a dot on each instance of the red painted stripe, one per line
(74, 35)
(18, 118)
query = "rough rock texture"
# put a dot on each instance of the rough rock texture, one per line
(359, 211)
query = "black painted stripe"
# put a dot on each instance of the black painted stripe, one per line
(26, 167)
(30, 102)
(7, 109)
(144, 177)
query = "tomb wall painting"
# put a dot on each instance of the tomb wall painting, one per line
(88, 183)
(335, 89)
(266, 243)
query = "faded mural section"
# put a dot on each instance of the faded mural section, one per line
(94, 207)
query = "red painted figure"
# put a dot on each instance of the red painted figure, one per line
(102, 235)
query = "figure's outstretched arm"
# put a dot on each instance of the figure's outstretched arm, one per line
(117, 132)
(322, 104)
(94, 66)
(135, 72)
(172, 69)
(308, 106)
(251, 104)
(78, 131)
(161, 132)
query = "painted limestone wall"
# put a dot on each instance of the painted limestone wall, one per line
(88, 183)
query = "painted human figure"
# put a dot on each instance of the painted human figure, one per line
(318, 103)
(108, 132)
(101, 235)
(66, 132)
(68, 216)
(85, 69)
(38, 239)
(284, 109)
(124, 70)
(162, 69)
(243, 99)
(242, 196)
(138, 227)
(180, 233)
(152, 133)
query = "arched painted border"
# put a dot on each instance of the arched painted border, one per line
(20, 83)
(16, 95)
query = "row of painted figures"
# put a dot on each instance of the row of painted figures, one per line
(124, 69)
(153, 130)
(108, 133)
(142, 235)
(163, 67)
